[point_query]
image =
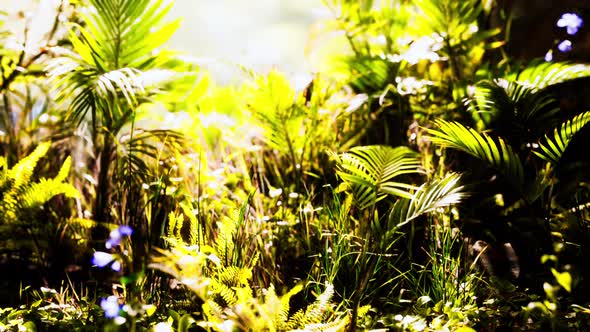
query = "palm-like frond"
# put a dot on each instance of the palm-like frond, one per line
(508, 101)
(143, 146)
(122, 33)
(370, 172)
(110, 56)
(539, 75)
(553, 146)
(450, 17)
(428, 198)
(371, 74)
(494, 151)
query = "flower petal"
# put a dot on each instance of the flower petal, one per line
(101, 259)
(549, 56)
(111, 306)
(125, 230)
(115, 237)
(565, 46)
(572, 30)
(116, 266)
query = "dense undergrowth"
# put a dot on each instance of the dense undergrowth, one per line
(423, 180)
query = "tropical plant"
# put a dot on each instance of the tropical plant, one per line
(114, 68)
(368, 172)
(524, 146)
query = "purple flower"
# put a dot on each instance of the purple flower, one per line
(117, 235)
(572, 22)
(565, 46)
(111, 306)
(549, 56)
(125, 230)
(102, 259)
(116, 266)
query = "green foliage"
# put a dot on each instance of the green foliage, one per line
(63, 309)
(258, 189)
(428, 198)
(494, 151)
(370, 171)
(553, 146)
(23, 197)
(540, 75)
(228, 300)
(112, 70)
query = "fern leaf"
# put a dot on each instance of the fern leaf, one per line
(21, 172)
(38, 193)
(64, 171)
(195, 234)
(314, 313)
(285, 307)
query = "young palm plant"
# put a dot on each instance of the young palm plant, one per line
(523, 148)
(115, 67)
(370, 174)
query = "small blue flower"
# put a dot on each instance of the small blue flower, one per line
(549, 56)
(111, 306)
(117, 235)
(102, 259)
(116, 266)
(565, 46)
(572, 22)
(125, 230)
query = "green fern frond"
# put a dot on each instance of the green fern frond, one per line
(493, 151)
(224, 242)
(449, 17)
(21, 197)
(21, 172)
(285, 306)
(40, 192)
(226, 294)
(234, 276)
(277, 311)
(314, 313)
(272, 102)
(370, 170)
(174, 227)
(553, 146)
(213, 314)
(64, 171)
(371, 74)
